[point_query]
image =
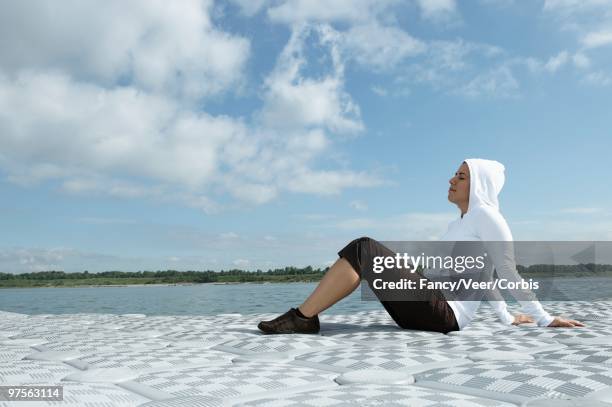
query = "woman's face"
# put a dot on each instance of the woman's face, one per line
(459, 190)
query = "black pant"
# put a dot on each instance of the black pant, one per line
(431, 314)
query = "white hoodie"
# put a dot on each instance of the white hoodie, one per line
(484, 222)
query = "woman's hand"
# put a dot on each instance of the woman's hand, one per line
(522, 319)
(559, 322)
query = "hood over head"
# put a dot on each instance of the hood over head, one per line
(486, 181)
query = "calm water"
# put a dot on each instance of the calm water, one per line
(209, 299)
(202, 299)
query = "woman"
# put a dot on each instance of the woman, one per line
(474, 189)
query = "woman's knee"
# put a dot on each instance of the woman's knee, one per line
(354, 251)
(363, 239)
(359, 241)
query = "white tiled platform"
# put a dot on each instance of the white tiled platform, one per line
(357, 359)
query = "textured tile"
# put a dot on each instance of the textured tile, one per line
(520, 382)
(494, 347)
(109, 343)
(600, 355)
(232, 381)
(135, 359)
(151, 360)
(385, 335)
(574, 336)
(286, 344)
(13, 352)
(366, 357)
(32, 371)
(379, 395)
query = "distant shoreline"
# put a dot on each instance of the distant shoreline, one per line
(151, 284)
(61, 279)
(160, 277)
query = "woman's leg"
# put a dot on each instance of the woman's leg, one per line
(343, 277)
(338, 282)
(419, 309)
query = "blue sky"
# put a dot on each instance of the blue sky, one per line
(261, 134)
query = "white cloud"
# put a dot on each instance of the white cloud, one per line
(581, 61)
(103, 124)
(299, 114)
(99, 185)
(437, 9)
(358, 205)
(71, 120)
(251, 192)
(241, 263)
(498, 82)
(300, 11)
(451, 66)
(331, 182)
(597, 39)
(32, 259)
(72, 130)
(366, 39)
(459, 55)
(379, 90)
(294, 100)
(158, 46)
(450, 55)
(556, 62)
(380, 47)
(590, 22)
(598, 78)
(37, 260)
(182, 248)
(573, 6)
(19, 260)
(203, 203)
(409, 226)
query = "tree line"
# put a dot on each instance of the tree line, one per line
(554, 269)
(187, 276)
(260, 275)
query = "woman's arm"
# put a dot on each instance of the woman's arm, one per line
(498, 304)
(502, 313)
(496, 236)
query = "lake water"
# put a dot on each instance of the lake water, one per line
(211, 299)
(201, 299)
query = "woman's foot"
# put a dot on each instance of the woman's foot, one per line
(289, 323)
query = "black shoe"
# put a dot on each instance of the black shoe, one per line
(291, 323)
